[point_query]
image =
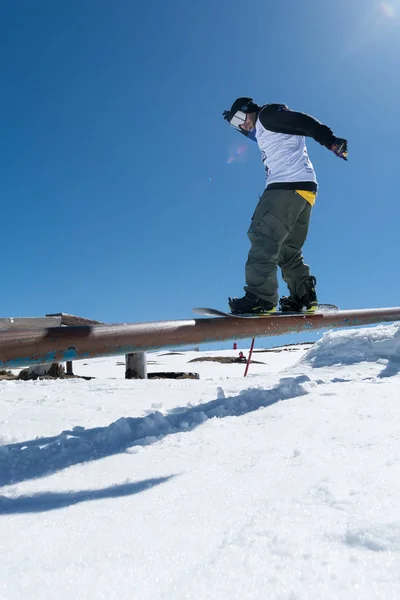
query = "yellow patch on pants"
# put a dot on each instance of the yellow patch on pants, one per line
(309, 196)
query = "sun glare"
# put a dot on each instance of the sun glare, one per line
(237, 154)
(374, 26)
(388, 9)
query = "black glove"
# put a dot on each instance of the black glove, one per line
(339, 147)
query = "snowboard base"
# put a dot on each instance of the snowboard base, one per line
(213, 312)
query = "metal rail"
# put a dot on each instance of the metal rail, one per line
(21, 348)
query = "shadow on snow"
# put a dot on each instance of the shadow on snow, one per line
(44, 501)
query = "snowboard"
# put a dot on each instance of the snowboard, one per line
(213, 312)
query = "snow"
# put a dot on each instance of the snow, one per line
(283, 485)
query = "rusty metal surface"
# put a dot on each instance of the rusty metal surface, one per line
(20, 348)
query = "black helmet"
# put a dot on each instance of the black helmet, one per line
(245, 105)
(236, 116)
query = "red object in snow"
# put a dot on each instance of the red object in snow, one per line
(234, 345)
(248, 360)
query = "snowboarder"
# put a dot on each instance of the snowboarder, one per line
(280, 222)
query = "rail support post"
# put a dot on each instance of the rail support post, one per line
(135, 365)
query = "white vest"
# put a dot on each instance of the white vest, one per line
(284, 156)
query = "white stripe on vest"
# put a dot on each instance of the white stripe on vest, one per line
(284, 156)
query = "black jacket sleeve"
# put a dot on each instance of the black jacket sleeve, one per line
(280, 119)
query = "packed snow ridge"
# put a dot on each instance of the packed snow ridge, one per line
(363, 345)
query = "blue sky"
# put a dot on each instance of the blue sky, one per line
(126, 197)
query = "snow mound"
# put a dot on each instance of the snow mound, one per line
(380, 343)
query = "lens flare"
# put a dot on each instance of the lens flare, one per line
(237, 154)
(388, 9)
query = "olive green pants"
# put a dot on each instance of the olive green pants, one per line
(277, 233)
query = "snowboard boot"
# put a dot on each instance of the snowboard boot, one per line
(308, 301)
(250, 304)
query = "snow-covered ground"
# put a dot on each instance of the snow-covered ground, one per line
(284, 485)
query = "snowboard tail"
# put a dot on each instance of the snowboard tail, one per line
(213, 312)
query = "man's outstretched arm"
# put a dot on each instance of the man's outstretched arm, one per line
(280, 119)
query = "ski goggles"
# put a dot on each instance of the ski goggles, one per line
(238, 119)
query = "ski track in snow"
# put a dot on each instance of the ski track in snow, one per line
(34, 458)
